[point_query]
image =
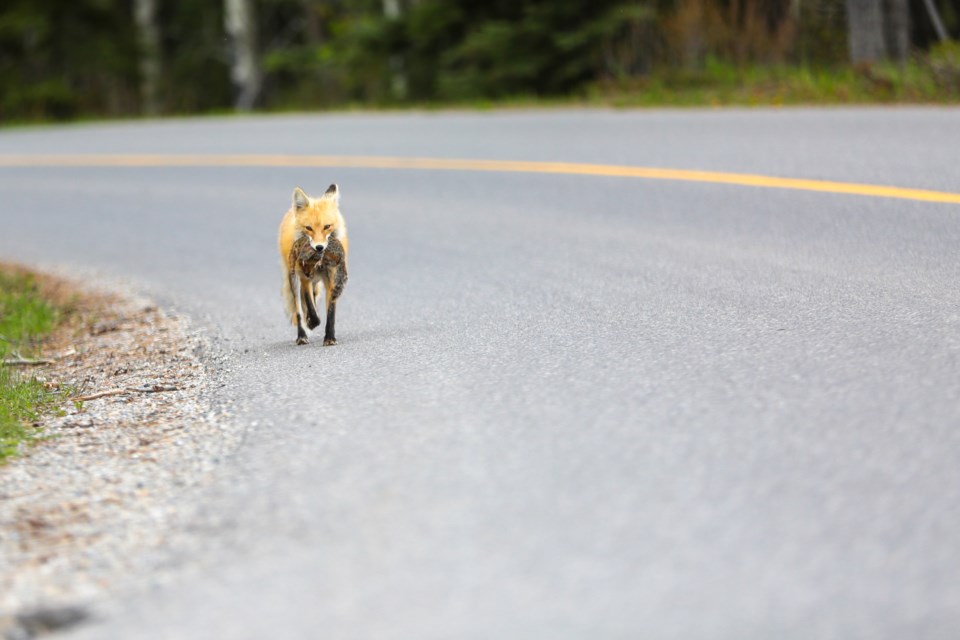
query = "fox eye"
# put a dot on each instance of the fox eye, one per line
(309, 228)
(327, 227)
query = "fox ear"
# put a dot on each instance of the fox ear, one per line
(333, 191)
(300, 200)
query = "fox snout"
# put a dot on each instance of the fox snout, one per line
(318, 248)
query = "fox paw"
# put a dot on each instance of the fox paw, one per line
(302, 340)
(329, 342)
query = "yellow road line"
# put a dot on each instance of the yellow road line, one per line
(374, 162)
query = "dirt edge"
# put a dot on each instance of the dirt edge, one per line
(89, 511)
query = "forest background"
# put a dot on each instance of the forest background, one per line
(69, 59)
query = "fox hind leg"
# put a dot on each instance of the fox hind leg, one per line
(289, 297)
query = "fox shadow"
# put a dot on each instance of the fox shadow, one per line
(370, 335)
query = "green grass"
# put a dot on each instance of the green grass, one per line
(920, 81)
(25, 317)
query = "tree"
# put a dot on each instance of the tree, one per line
(897, 29)
(240, 24)
(878, 30)
(145, 15)
(935, 20)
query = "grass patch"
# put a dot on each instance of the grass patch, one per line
(930, 80)
(25, 318)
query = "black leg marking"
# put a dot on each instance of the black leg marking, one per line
(301, 334)
(313, 320)
(329, 336)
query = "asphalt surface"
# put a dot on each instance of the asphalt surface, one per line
(561, 406)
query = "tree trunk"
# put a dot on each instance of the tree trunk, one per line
(398, 75)
(897, 29)
(313, 25)
(865, 32)
(240, 24)
(935, 19)
(148, 33)
(878, 30)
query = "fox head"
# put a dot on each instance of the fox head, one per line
(318, 218)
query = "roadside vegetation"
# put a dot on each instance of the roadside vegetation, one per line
(932, 78)
(25, 318)
(92, 59)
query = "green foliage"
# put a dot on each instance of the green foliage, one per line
(944, 64)
(541, 48)
(195, 77)
(62, 59)
(21, 402)
(24, 317)
(24, 314)
(721, 83)
(821, 37)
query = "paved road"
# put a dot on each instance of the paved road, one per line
(562, 406)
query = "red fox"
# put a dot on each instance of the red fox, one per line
(313, 249)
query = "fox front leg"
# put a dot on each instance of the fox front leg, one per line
(308, 304)
(297, 307)
(329, 334)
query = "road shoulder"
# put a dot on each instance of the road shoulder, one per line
(89, 510)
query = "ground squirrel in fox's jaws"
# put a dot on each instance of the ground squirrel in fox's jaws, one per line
(313, 249)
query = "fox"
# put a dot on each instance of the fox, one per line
(313, 251)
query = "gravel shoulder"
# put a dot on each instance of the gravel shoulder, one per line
(89, 511)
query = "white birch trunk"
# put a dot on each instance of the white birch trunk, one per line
(398, 76)
(935, 19)
(240, 25)
(148, 35)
